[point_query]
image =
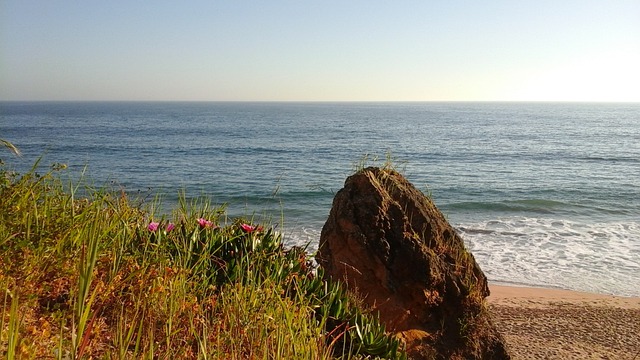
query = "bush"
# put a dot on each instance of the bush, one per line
(97, 276)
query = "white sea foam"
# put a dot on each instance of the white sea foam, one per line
(303, 236)
(596, 257)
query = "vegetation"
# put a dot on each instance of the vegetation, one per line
(10, 147)
(88, 273)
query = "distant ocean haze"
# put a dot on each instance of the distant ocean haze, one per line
(544, 194)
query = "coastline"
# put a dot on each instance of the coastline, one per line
(541, 323)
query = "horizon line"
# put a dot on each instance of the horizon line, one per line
(324, 101)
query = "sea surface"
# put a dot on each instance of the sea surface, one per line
(544, 194)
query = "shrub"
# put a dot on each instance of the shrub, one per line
(97, 276)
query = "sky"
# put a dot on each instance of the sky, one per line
(569, 50)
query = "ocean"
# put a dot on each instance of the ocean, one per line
(544, 194)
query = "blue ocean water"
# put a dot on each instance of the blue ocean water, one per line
(544, 194)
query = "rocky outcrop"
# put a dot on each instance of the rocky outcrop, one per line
(393, 247)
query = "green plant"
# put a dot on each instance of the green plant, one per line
(13, 332)
(12, 148)
(103, 278)
(390, 163)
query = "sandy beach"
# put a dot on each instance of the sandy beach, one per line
(559, 324)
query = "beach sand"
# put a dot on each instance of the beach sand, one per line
(560, 324)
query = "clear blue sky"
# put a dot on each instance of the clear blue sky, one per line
(569, 50)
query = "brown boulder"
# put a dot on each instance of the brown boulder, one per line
(393, 247)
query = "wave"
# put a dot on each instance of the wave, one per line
(541, 206)
(599, 257)
(537, 251)
(633, 160)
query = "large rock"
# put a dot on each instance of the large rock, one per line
(393, 247)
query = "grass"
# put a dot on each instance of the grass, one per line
(88, 274)
(9, 146)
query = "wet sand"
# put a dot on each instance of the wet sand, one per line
(560, 324)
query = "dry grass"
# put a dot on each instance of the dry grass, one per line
(95, 276)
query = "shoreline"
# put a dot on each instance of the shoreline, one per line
(543, 323)
(516, 295)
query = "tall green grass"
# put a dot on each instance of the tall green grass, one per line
(87, 274)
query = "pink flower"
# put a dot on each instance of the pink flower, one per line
(204, 223)
(250, 228)
(247, 227)
(153, 226)
(170, 227)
